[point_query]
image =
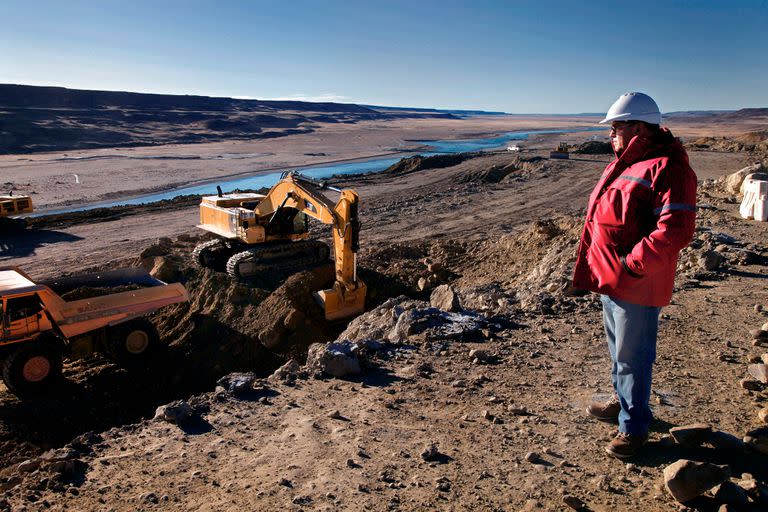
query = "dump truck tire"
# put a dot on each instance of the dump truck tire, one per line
(132, 343)
(31, 370)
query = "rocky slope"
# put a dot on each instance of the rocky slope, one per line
(463, 388)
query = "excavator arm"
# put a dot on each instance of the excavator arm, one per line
(347, 296)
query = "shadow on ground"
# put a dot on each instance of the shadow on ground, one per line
(25, 243)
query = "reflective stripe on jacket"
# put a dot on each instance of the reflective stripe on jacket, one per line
(640, 215)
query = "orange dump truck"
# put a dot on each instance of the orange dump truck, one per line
(41, 323)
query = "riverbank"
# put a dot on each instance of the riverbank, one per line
(62, 179)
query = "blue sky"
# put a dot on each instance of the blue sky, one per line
(516, 56)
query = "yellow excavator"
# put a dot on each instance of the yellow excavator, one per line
(10, 206)
(258, 234)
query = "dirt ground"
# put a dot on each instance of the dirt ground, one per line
(428, 424)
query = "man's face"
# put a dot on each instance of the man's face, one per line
(622, 132)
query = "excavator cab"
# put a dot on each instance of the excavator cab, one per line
(288, 221)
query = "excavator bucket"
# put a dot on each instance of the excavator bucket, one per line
(338, 303)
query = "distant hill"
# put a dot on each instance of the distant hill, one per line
(718, 115)
(462, 113)
(34, 119)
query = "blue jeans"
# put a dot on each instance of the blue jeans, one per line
(631, 331)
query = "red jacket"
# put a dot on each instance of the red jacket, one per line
(640, 215)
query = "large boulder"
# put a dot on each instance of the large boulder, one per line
(376, 325)
(711, 260)
(691, 435)
(687, 479)
(336, 359)
(734, 181)
(757, 439)
(432, 323)
(759, 372)
(444, 297)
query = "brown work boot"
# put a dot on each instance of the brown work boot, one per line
(625, 445)
(605, 411)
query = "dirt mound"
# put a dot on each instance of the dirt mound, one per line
(593, 147)
(752, 142)
(420, 163)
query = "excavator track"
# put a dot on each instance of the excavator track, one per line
(212, 254)
(280, 257)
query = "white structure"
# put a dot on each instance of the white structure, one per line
(755, 202)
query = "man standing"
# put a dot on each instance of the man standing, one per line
(640, 215)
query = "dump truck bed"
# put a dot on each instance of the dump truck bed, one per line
(74, 317)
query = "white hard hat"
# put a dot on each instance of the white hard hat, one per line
(634, 106)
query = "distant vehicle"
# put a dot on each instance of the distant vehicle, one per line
(514, 148)
(560, 152)
(10, 207)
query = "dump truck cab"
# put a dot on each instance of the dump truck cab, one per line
(22, 308)
(23, 317)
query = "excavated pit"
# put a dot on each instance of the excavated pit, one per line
(225, 327)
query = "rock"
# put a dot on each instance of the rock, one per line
(294, 320)
(433, 323)
(750, 385)
(734, 181)
(725, 441)
(762, 414)
(758, 334)
(175, 412)
(691, 435)
(711, 260)
(444, 297)
(334, 359)
(686, 479)
(165, 270)
(421, 284)
(532, 457)
(288, 372)
(59, 454)
(759, 372)
(434, 267)
(481, 356)
(764, 358)
(28, 466)
(336, 415)
(517, 410)
(757, 439)
(238, 384)
(764, 327)
(748, 483)
(729, 492)
(572, 501)
(430, 452)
